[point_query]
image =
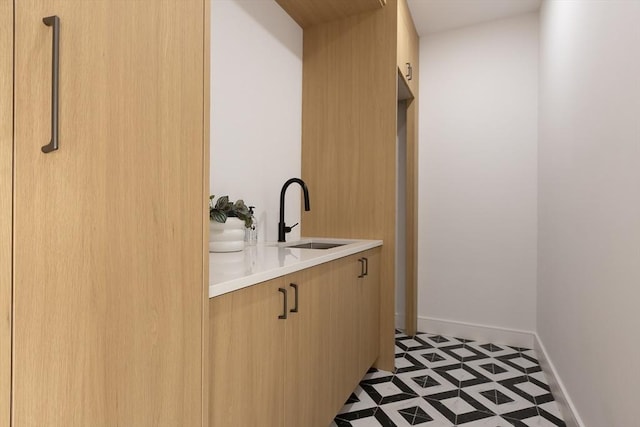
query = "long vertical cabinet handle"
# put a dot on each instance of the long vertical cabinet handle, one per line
(295, 297)
(284, 304)
(361, 261)
(54, 21)
(366, 266)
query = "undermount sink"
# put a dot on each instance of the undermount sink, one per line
(316, 245)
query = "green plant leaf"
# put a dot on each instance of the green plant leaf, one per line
(224, 208)
(218, 216)
(241, 209)
(222, 203)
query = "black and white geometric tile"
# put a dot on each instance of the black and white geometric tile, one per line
(444, 382)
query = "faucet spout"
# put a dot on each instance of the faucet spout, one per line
(282, 227)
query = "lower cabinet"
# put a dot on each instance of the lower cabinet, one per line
(355, 316)
(288, 352)
(308, 349)
(246, 376)
(369, 309)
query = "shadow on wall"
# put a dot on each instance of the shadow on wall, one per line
(264, 14)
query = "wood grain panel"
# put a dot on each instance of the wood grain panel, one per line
(403, 36)
(247, 357)
(108, 273)
(206, 162)
(412, 180)
(408, 51)
(6, 191)
(407, 45)
(312, 12)
(411, 231)
(369, 300)
(345, 343)
(349, 140)
(308, 351)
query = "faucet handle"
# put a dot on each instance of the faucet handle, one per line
(288, 229)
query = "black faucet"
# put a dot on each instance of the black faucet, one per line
(282, 227)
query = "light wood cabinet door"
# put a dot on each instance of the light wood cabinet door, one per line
(369, 310)
(403, 37)
(247, 356)
(108, 230)
(308, 351)
(407, 47)
(355, 317)
(6, 196)
(345, 321)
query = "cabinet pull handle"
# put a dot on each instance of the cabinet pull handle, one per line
(54, 21)
(284, 311)
(361, 261)
(295, 298)
(409, 74)
(366, 266)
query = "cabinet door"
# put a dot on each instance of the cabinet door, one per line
(108, 241)
(247, 342)
(308, 363)
(407, 47)
(369, 313)
(345, 313)
(403, 36)
(6, 196)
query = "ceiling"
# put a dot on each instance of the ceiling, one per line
(431, 16)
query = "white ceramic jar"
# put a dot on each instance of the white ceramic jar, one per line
(227, 236)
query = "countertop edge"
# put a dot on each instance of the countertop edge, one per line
(323, 256)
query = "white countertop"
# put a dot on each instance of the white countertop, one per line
(231, 271)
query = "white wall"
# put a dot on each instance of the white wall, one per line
(589, 204)
(256, 108)
(478, 178)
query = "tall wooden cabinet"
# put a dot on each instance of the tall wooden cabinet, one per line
(349, 132)
(106, 291)
(6, 214)
(408, 66)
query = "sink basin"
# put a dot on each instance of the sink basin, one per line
(316, 245)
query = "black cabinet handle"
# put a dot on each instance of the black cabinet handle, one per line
(295, 296)
(284, 305)
(361, 261)
(409, 74)
(54, 21)
(366, 266)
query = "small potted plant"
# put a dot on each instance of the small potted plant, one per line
(227, 223)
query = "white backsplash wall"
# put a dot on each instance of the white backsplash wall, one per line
(589, 204)
(478, 175)
(256, 108)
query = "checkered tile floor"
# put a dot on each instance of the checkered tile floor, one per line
(443, 382)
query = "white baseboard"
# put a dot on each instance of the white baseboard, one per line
(569, 412)
(477, 332)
